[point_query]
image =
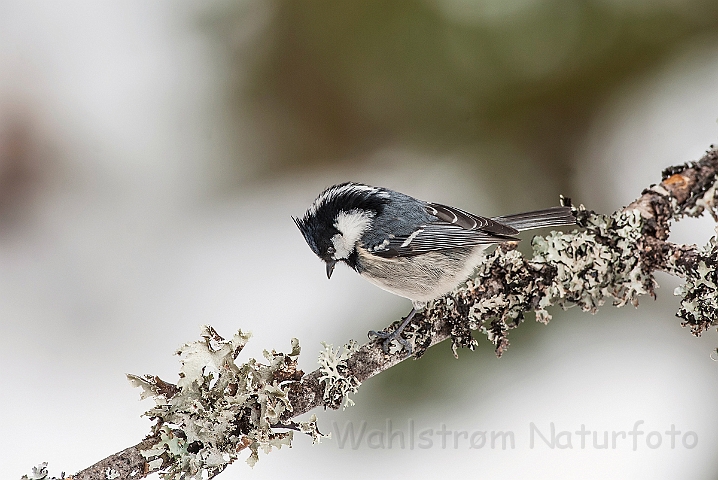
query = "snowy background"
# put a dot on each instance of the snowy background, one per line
(151, 155)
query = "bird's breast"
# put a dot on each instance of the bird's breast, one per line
(420, 278)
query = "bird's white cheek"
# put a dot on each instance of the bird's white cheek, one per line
(351, 226)
(342, 247)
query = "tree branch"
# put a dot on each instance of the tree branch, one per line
(219, 408)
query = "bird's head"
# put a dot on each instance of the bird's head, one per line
(334, 224)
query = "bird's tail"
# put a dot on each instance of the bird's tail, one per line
(550, 217)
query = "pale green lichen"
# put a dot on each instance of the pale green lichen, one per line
(219, 408)
(697, 206)
(601, 262)
(40, 473)
(338, 382)
(708, 202)
(699, 302)
(500, 304)
(584, 268)
(112, 474)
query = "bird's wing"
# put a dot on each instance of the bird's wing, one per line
(453, 228)
(469, 221)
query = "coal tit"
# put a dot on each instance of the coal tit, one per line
(415, 249)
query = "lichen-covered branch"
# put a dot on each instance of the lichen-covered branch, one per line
(219, 408)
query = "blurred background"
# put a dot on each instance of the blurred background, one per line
(152, 153)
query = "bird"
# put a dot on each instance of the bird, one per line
(412, 248)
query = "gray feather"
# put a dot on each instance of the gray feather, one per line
(550, 217)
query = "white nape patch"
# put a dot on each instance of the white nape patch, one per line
(411, 237)
(351, 226)
(335, 191)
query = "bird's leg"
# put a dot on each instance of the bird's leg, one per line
(396, 334)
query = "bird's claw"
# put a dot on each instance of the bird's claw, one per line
(386, 339)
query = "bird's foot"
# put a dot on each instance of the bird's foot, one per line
(386, 338)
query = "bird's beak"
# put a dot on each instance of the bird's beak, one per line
(330, 267)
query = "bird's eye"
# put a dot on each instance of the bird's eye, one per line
(331, 250)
